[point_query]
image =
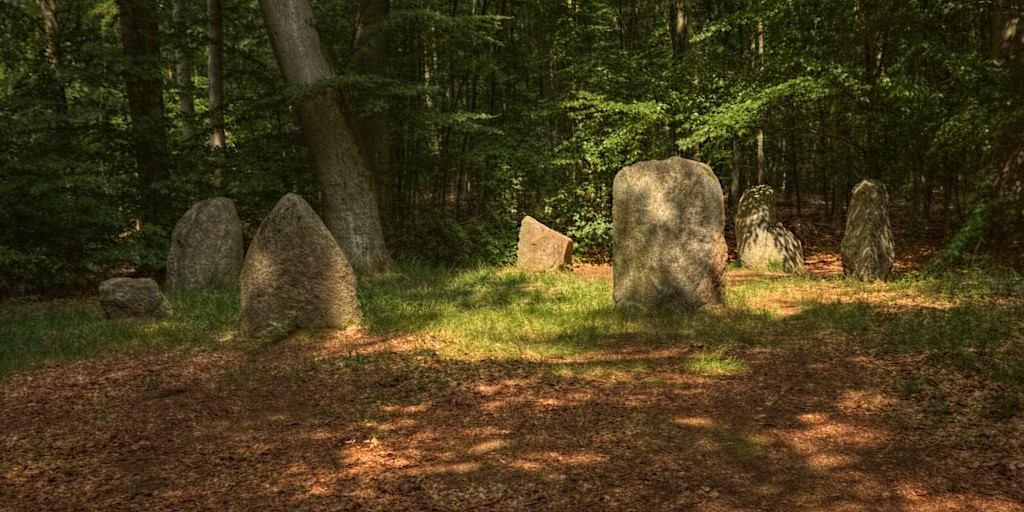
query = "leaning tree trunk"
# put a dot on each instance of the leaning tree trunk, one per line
(349, 199)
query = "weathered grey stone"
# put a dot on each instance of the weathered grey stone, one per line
(542, 248)
(867, 247)
(206, 247)
(668, 247)
(126, 297)
(761, 241)
(295, 275)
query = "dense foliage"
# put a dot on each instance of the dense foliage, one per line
(475, 113)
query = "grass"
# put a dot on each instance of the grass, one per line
(33, 334)
(972, 321)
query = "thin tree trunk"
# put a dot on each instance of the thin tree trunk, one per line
(49, 10)
(349, 200)
(183, 71)
(215, 72)
(144, 88)
(737, 173)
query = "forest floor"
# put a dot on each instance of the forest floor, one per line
(350, 420)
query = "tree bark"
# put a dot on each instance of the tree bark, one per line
(349, 200)
(215, 73)
(680, 26)
(183, 71)
(49, 10)
(144, 88)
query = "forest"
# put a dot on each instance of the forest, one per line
(470, 114)
(422, 132)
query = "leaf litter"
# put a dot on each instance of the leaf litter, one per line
(353, 421)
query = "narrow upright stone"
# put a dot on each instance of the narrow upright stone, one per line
(761, 241)
(867, 248)
(206, 247)
(295, 275)
(125, 297)
(668, 247)
(542, 248)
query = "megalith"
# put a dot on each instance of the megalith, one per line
(761, 241)
(867, 247)
(206, 247)
(542, 248)
(295, 275)
(126, 297)
(668, 241)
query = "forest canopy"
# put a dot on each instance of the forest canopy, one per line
(472, 113)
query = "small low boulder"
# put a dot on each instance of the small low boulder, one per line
(867, 248)
(761, 241)
(542, 248)
(295, 275)
(668, 245)
(206, 247)
(125, 297)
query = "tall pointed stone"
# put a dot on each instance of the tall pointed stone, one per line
(207, 248)
(761, 241)
(868, 249)
(668, 246)
(295, 275)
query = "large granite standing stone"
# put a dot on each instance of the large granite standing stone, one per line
(542, 248)
(295, 275)
(867, 246)
(668, 247)
(126, 297)
(207, 248)
(761, 241)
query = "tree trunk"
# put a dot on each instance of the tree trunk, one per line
(215, 72)
(370, 56)
(349, 199)
(680, 26)
(183, 71)
(49, 10)
(737, 173)
(144, 89)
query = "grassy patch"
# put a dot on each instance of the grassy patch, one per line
(32, 334)
(717, 364)
(507, 313)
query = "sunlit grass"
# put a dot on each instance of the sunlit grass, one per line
(32, 334)
(508, 313)
(971, 321)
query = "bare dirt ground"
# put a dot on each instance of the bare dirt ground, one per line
(348, 421)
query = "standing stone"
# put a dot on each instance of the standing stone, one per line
(295, 275)
(668, 246)
(761, 241)
(206, 247)
(125, 297)
(868, 242)
(542, 248)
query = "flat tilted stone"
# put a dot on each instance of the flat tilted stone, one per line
(126, 297)
(761, 241)
(206, 247)
(295, 275)
(668, 247)
(867, 248)
(542, 248)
